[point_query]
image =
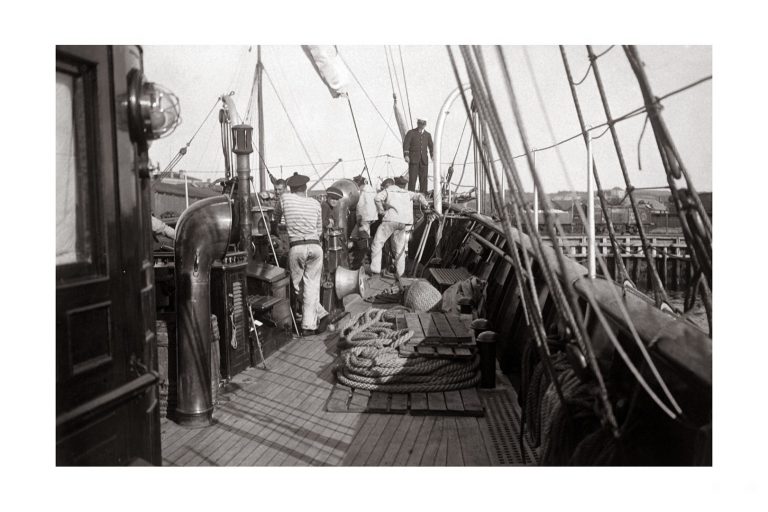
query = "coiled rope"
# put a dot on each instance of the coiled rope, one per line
(370, 360)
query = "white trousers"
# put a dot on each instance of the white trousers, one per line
(306, 264)
(397, 230)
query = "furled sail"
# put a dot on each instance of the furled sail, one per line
(330, 67)
(399, 118)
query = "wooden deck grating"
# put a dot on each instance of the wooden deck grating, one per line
(277, 417)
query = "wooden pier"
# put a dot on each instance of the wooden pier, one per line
(670, 253)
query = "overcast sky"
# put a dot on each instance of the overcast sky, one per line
(199, 74)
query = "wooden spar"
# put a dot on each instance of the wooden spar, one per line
(325, 174)
(260, 107)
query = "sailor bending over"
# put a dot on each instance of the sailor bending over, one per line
(396, 205)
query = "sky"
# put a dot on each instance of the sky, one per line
(200, 74)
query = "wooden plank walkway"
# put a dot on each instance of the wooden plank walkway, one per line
(277, 417)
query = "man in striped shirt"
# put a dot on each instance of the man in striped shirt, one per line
(305, 257)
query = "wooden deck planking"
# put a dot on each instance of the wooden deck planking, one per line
(454, 457)
(364, 448)
(422, 440)
(433, 444)
(398, 441)
(277, 417)
(407, 446)
(383, 442)
(473, 451)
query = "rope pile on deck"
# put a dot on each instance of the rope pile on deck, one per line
(370, 360)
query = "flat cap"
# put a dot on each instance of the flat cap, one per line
(297, 180)
(333, 193)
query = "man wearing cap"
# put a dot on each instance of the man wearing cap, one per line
(396, 205)
(332, 196)
(416, 144)
(303, 220)
(365, 214)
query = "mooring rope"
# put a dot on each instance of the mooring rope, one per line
(370, 360)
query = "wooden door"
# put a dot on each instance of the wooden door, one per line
(106, 385)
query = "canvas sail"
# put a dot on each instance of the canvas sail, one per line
(330, 67)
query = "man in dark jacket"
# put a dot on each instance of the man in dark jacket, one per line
(415, 146)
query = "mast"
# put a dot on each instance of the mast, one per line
(260, 105)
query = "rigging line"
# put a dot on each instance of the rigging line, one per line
(399, 140)
(464, 167)
(405, 84)
(389, 70)
(660, 293)
(357, 132)
(639, 141)
(169, 168)
(542, 106)
(461, 137)
(296, 107)
(397, 79)
(589, 68)
(618, 300)
(251, 97)
(622, 270)
(301, 142)
(381, 143)
(566, 300)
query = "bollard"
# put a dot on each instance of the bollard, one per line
(486, 345)
(479, 326)
(465, 306)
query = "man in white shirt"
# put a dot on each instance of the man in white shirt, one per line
(396, 205)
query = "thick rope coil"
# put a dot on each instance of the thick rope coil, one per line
(370, 359)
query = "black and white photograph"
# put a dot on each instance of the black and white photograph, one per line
(417, 270)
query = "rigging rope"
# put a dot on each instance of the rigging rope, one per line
(301, 142)
(619, 261)
(659, 292)
(567, 307)
(397, 137)
(405, 84)
(183, 151)
(397, 79)
(365, 168)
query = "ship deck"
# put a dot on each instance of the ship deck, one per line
(277, 417)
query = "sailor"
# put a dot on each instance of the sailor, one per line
(396, 205)
(303, 221)
(160, 228)
(366, 208)
(365, 215)
(416, 144)
(332, 196)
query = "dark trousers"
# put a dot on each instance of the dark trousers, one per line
(417, 169)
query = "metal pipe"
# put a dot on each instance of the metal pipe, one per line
(590, 211)
(202, 235)
(243, 147)
(436, 174)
